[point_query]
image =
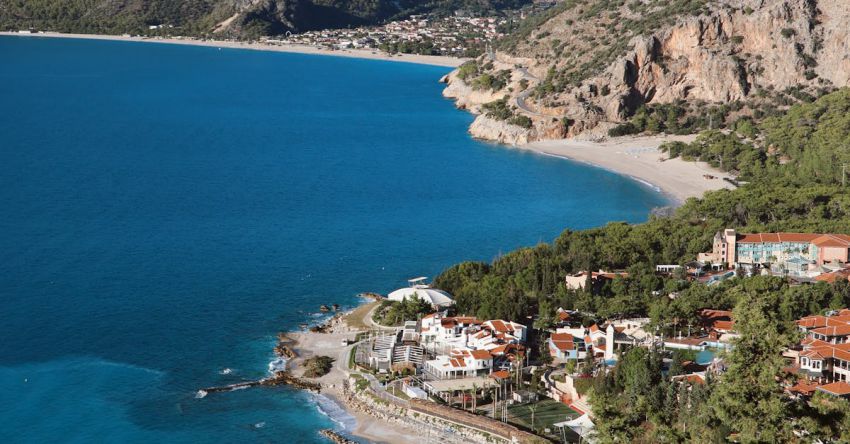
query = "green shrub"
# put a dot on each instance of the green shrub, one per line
(318, 366)
(521, 120)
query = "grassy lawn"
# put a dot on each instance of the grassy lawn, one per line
(548, 412)
(355, 318)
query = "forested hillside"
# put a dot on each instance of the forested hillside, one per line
(793, 165)
(243, 18)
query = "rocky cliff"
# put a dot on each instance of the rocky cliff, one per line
(590, 68)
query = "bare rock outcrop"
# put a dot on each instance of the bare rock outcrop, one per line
(727, 52)
(465, 96)
(488, 128)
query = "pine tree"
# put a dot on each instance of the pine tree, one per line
(748, 399)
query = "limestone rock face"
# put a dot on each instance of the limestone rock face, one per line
(721, 57)
(500, 131)
(465, 96)
(725, 54)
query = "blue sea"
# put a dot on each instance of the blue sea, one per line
(166, 210)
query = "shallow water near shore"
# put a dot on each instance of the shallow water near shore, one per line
(168, 209)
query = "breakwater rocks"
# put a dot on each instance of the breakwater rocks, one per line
(284, 346)
(335, 437)
(328, 325)
(286, 378)
(284, 351)
(372, 296)
(279, 378)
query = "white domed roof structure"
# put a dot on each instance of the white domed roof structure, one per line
(437, 298)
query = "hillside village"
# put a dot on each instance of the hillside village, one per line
(461, 36)
(505, 370)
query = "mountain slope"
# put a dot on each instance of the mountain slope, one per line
(592, 65)
(237, 18)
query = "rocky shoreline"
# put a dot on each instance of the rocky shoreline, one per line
(335, 437)
(382, 417)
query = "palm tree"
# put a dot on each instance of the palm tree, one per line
(494, 395)
(533, 408)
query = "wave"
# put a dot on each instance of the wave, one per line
(278, 365)
(651, 185)
(201, 394)
(328, 407)
(225, 371)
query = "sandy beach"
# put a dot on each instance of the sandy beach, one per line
(639, 158)
(446, 61)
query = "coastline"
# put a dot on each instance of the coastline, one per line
(445, 61)
(635, 157)
(639, 158)
(328, 342)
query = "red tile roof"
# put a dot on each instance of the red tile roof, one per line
(834, 330)
(832, 240)
(501, 374)
(695, 379)
(711, 313)
(458, 362)
(804, 388)
(757, 238)
(812, 321)
(563, 341)
(826, 351)
(500, 326)
(480, 354)
(840, 275)
(839, 388)
(823, 321)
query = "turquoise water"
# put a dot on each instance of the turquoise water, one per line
(167, 210)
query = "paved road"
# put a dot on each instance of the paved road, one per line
(520, 99)
(372, 324)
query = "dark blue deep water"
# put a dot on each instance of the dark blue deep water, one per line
(165, 211)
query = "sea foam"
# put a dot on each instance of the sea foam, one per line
(334, 412)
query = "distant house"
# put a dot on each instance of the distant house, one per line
(797, 252)
(565, 346)
(840, 389)
(465, 346)
(524, 396)
(719, 321)
(577, 281)
(824, 354)
(567, 343)
(460, 364)
(834, 276)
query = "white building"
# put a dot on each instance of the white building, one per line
(466, 347)
(419, 290)
(460, 364)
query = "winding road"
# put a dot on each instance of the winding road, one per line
(520, 99)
